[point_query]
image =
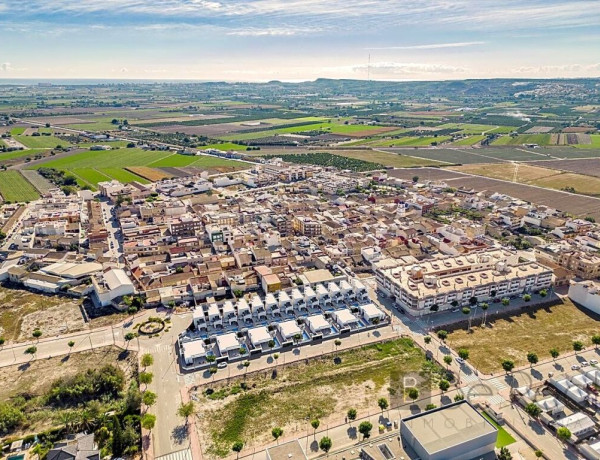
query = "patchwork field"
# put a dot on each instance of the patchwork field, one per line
(14, 187)
(530, 331)
(40, 142)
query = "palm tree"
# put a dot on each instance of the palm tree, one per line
(237, 448)
(554, 353)
(277, 432)
(71, 344)
(467, 311)
(351, 414)
(532, 358)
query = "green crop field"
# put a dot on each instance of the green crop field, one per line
(410, 141)
(225, 146)
(94, 126)
(88, 176)
(40, 142)
(471, 140)
(333, 128)
(124, 176)
(540, 139)
(17, 131)
(92, 167)
(14, 187)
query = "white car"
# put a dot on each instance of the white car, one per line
(222, 365)
(459, 360)
(584, 364)
(575, 367)
(593, 362)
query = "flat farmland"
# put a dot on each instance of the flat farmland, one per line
(376, 156)
(589, 167)
(14, 187)
(540, 139)
(410, 141)
(425, 174)
(151, 174)
(471, 140)
(42, 184)
(40, 142)
(536, 175)
(594, 143)
(580, 205)
(445, 155)
(92, 167)
(122, 175)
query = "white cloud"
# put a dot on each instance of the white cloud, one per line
(557, 69)
(409, 68)
(432, 46)
(274, 31)
(6, 67)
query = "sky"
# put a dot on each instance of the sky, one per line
(295, 40)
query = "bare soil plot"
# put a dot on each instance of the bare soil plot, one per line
(589, 167)
(424, 174)
(575, 204)
(42, 184)
(539, 130)
(529, 331)
(579, 129)
(174, 172)
(525, 173)
(202, 130)
(152, 174)
(61, 120)
(22, 311)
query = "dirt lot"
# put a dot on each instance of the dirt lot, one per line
(531, 331)
(22, 311)
(318, 389)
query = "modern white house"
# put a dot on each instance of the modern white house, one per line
(199, 318)
(259, 336)
(371, 313)
(347, 290)
(360, 290)
(334, 292)
(214, 316)
(318, 324)
(288, 329)
(243, 310)
(323, 295)
(227, 343)
(344, 318)
(311, 297)
(284, 301)
(579, 424)
(229, 315)
(193, 349)
(551, 405)
(581, 381)
(258, 307)
(298, 300)
(271, 303)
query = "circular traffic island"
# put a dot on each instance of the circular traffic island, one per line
(152, 326)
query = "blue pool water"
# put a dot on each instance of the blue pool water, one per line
(305, 335)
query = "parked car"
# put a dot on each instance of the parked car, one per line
(593, 362)
(584, 364)
(575, 367)
(459, 360)
(222, 365)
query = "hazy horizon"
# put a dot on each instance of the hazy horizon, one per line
(299, 40)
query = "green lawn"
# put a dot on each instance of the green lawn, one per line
(40, 142)
(94, 126)
(89, 176)
(14, 187)
(504, 437)
(410, 141)
(5, 156)
(17, 131)
(106, 159)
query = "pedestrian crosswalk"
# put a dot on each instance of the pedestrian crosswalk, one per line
(497, 384)
(185, 454)
(468, 378)
(496, 400)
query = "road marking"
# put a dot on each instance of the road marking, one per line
(496, 400)
(498, 384)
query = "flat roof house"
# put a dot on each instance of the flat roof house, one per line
(227, 343)
(318, 324)
(456, 431)
(289, 329)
